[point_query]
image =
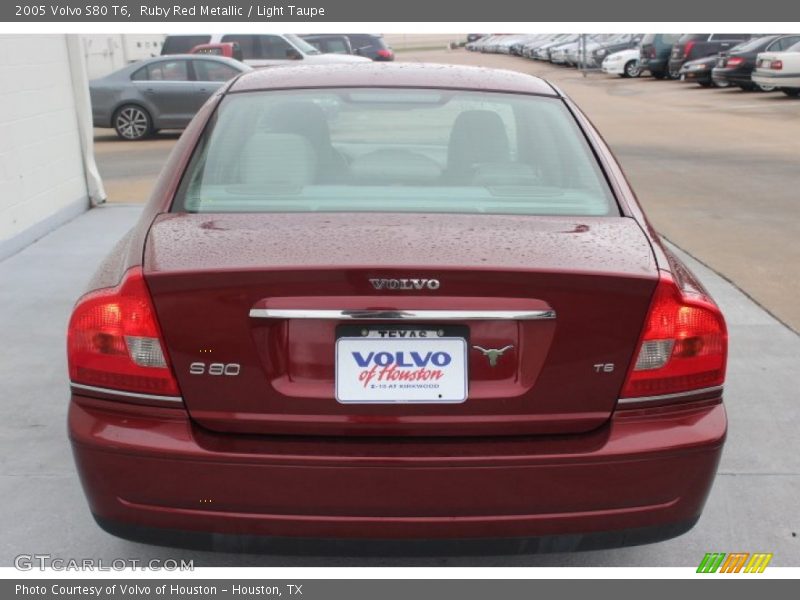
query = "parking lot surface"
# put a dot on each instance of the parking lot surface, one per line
(752, 507)
(716, 170)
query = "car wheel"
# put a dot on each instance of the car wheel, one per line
(132, 122)
(791, 92)
(705, 84)
(632, 69)
(765, 88)
(674, 73)
(720, 84)
(659, 74)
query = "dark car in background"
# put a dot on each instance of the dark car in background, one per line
(655, 53)
(692, 46)
(158, 93)
(330, 44)
(736, 66)
(699, 71)
(370, 45)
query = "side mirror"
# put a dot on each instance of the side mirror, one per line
(293, 54)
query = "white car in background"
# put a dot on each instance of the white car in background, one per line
(624, 63)
(779, 69)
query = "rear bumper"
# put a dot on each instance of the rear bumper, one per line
(701, 76)
(152, 474)
(654, 65)
(790, 80)
(735, 76)
(675, 64)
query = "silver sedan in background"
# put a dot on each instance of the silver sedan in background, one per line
(158, 93)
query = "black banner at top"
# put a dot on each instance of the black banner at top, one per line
(360, 11)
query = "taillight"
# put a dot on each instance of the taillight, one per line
(777, 65)
(384, 53)
(688, 48)
(683, 347)
(734, 61)
(114, 340)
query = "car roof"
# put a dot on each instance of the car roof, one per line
(370, 74)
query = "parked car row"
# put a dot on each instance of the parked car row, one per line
(753, 62)
(564, 49)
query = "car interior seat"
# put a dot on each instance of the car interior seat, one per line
(307, 120)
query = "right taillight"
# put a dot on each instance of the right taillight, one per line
(776, 64)
(683, 347)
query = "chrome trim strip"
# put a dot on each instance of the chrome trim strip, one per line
(402, 315)
(708, 390)
(91, 388)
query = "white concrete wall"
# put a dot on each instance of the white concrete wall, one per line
(105, 53)
(42, 182)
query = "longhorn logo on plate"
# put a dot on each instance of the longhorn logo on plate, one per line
(493, 353)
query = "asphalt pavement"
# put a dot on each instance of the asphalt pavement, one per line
(752, 507)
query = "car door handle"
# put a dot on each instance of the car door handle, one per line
(150, 91)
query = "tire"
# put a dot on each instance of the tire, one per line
(791, 92)
(705, 84)
(721, 84)
(132, 122)
(632, 69)
(765, 88)
(674, 74)
(659, 74)
(747, 87)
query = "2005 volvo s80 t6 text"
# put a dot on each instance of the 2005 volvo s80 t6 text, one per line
(395, 302)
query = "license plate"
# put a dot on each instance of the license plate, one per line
(401, 370)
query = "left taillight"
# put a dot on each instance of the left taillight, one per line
(385, 53)
(683, 347)
(114, 341)
(734, 61)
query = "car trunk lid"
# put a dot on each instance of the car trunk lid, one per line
(239, 297)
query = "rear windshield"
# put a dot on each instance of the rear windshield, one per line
(367, 41)
(182, 44)
(394, 150)
(751, 45)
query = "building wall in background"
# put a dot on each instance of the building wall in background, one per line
(105, 53)
(42, 181)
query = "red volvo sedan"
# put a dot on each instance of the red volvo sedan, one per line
(396, 302)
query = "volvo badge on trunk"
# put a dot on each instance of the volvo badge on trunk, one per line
(405, 284)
